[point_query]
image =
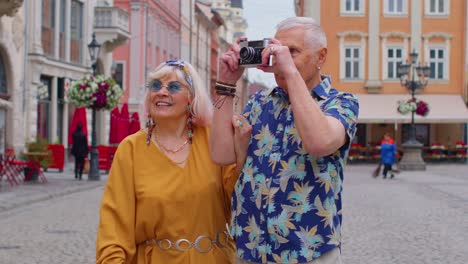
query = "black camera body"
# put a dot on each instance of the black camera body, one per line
(251, 52)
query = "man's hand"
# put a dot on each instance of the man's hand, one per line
(283, 63)
(229, 70)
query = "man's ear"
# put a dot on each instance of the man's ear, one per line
(322, 56)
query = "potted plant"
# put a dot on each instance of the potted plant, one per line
(38, 156)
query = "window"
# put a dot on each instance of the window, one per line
(3, 78)
(395, 7)
(48, 25)
(394, 58)
(437, 63)
(352, 63)
(76, 32)
(118, 73)
(437, 7)
(43, 107)
(352, 7)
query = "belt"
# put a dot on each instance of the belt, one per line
(183, 244)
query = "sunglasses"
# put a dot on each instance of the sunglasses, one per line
(172, 87)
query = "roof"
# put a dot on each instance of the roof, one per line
(382, 108)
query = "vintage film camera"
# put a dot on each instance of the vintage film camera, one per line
(251, 52)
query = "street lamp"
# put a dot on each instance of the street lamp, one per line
(413, 76)
(94, 48)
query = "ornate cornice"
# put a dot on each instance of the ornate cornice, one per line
(10, 7)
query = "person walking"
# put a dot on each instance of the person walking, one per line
(287, 203)
(79, 150)
(165, 200)
(388, 152)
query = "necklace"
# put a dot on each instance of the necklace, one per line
(166, 149)
(179, 163)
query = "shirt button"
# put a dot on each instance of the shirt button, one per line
(265, 206)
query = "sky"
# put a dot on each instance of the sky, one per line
(262, 17)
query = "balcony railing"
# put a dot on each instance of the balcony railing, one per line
(110, 17)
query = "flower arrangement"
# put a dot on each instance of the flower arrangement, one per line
(413, 105)
(460, 145)
(437, 146)
(461, 154)
(437, 155)
(96, 92)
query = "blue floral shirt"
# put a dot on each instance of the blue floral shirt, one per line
(286, 206)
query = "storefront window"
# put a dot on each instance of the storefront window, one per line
(43, 107)
(422, 133)
(3, 81)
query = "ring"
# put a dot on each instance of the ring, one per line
(239, 123)
(272, 49)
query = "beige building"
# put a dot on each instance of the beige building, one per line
(43, 47)
(368, 39)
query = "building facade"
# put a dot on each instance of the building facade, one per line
(368, 39)
(43, 47)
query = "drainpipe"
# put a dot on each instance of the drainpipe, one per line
(190, 39)
(25, 59)
(146, 42)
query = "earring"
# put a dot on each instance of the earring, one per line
(149, 127)
(189, 124)
(318, 68)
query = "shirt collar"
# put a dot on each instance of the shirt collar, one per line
(321, 91)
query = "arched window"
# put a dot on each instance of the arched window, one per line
(3, 81)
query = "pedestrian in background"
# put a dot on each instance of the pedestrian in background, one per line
(287, 203)
(388, 152)
(79, 150)
(165, 200)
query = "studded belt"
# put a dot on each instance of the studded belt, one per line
(221, 240)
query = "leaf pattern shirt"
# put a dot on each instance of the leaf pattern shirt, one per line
(286, 206)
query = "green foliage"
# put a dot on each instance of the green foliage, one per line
(38, 147)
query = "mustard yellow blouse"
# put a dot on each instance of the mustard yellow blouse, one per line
(147, 196)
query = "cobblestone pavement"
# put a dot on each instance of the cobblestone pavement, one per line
(416, 218)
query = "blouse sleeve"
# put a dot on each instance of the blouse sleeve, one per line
(230, 177)
(116, 231)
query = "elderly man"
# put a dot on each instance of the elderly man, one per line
(286, 206)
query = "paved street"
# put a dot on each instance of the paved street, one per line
(417, 218)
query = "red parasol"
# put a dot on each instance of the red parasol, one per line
(134, 124)
(78, 117)
(124, 123)
(114, 125)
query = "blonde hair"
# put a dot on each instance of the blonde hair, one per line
(201, 105)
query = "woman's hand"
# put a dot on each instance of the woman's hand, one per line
(242, 133)
(229, 69)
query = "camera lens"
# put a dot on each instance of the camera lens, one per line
(247, 54)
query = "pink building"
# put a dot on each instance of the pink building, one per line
(155, 30)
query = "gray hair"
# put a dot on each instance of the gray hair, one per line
(314, 34)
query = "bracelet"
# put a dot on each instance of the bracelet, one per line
(224, 88)
(226, 84)
(225, 93)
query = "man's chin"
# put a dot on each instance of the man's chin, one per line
(280, 81)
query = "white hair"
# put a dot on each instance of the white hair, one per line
(201, 105)
(314, 34)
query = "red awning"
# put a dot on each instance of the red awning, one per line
(134, 124)
(78, 117)
(114, 125)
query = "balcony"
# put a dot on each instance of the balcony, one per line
(10, 7)
(111, 24)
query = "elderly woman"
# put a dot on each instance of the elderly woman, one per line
(165, 200)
